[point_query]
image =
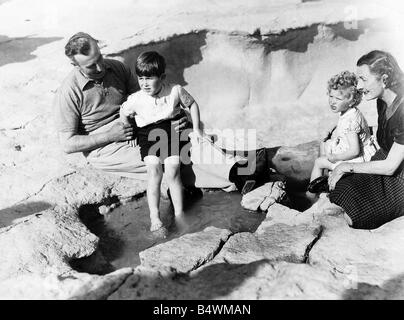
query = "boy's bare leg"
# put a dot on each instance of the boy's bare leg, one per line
(173, 177)
(155, 174)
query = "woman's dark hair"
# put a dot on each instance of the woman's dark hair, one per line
(79, 43)
(380, 63)
(150, 64)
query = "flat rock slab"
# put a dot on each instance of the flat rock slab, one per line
(187, 252)
(368, 256)
(277, 242)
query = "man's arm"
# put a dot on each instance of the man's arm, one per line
(72, 142)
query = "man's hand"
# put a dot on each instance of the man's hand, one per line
(181, 124)
(121, 132)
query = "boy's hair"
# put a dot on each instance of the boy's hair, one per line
(79, 43)
(150, 64)
(346, 80)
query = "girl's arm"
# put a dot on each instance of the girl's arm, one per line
(385, 167)
(353, 151)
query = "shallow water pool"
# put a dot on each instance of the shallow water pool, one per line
(124, 231)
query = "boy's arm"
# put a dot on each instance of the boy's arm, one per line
(123, 117)
(195, 116)
(187, 101)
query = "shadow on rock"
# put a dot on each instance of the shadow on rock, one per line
(11, 215)
(180, 53)
(19, 49)
(110, 245)
(211, 282)
(392, 289)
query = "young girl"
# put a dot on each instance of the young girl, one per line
(351, 140)
(154, 107)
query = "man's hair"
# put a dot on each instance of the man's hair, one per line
(382, 62)
(79, 43)
(346, 80)
(150, 64)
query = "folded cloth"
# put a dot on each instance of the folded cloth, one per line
(263, 197)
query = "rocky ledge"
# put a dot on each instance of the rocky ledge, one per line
(292, 255)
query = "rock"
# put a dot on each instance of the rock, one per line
(295, 163)
(368, 256)
(256, 280)
(277, 242)
(46, 241)
(36, 252)
(72, 286)
(185, 253)
(263, 197)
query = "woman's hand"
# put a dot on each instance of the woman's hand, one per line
(337, 174)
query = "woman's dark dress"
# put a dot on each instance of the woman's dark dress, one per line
(371, 200)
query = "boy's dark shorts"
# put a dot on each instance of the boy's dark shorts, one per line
(160, 139)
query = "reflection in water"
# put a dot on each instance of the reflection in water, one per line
(124, 232)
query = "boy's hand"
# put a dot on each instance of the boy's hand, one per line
(198, 134)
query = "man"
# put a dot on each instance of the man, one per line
(87, 107)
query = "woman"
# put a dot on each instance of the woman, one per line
(373, 192)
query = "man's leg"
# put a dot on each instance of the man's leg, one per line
(119, 158)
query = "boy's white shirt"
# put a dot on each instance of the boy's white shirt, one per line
(148, 109)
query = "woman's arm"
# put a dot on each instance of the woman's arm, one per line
(353, 151)
(385, 167)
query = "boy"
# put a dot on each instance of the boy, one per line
(154, 107)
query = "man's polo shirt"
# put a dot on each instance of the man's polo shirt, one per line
(83, 105)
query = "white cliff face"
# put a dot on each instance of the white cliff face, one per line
(257, 64)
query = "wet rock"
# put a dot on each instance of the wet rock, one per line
(187, 252)
(368, 256)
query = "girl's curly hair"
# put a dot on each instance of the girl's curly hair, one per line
(346, 80)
